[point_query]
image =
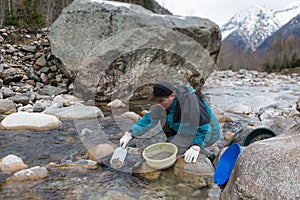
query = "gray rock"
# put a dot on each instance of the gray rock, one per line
(44, 78)
(115, 194)
(98, 152)
(7, 106)
(7, 92)
(15, 78)
(10, 72)
(279, 105)
(51, 90)
(12, 163)
(196, 175)
(27, 57)
(20, 99)
(30, 121)
(29, 48)
(134, 48)
(130, 115)
(41, 61)
(27, 108)
(12, 49)
(45, 70)
(38, 106)
(1, 67)
(268, 168)
(32, 173)
(76, 111)
(31, 74)
(240, 136)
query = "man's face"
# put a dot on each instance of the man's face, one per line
(165, 102)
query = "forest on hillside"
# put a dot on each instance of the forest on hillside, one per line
(283, 53)
(30, 13)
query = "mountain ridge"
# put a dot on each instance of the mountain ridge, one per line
(252, 26)
(261, 37)
(292, 28)
(256, 24)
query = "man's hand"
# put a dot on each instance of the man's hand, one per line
(192, 154)
(125, 139)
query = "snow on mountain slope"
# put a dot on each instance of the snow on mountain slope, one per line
(289, 12)
(252, 26)
(289, 29)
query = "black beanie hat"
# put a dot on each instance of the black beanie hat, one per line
(163, 89)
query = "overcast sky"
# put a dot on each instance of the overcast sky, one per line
(218, 11)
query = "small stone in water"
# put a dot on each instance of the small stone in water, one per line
(161, 155)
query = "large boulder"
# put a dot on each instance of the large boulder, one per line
(268, 168)
(121, 49)
(148, 4)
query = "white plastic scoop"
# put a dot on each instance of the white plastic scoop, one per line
(118, 157)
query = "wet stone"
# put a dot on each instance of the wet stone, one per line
(12, 163)
(31, 121)
(32, 173)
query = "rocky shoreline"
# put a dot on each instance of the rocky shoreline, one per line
(29, 74)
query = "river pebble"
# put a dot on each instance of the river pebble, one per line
(31, 121)
(12, 163)
(32, 173)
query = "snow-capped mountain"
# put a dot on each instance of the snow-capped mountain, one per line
(259, 38)
(251, 27)
(289, 12)
(290, 29)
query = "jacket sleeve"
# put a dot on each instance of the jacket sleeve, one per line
(143, 125)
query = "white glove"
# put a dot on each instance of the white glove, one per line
(125, 139)
(192, 154)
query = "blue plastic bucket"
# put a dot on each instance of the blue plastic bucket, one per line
(226, 164)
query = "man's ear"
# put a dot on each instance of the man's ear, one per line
(172, 96)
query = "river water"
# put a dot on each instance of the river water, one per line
(63, 145)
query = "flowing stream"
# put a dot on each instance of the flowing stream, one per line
(63, 145)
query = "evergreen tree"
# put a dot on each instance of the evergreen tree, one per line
(29, 15)
(9, 11)
(295, 61)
